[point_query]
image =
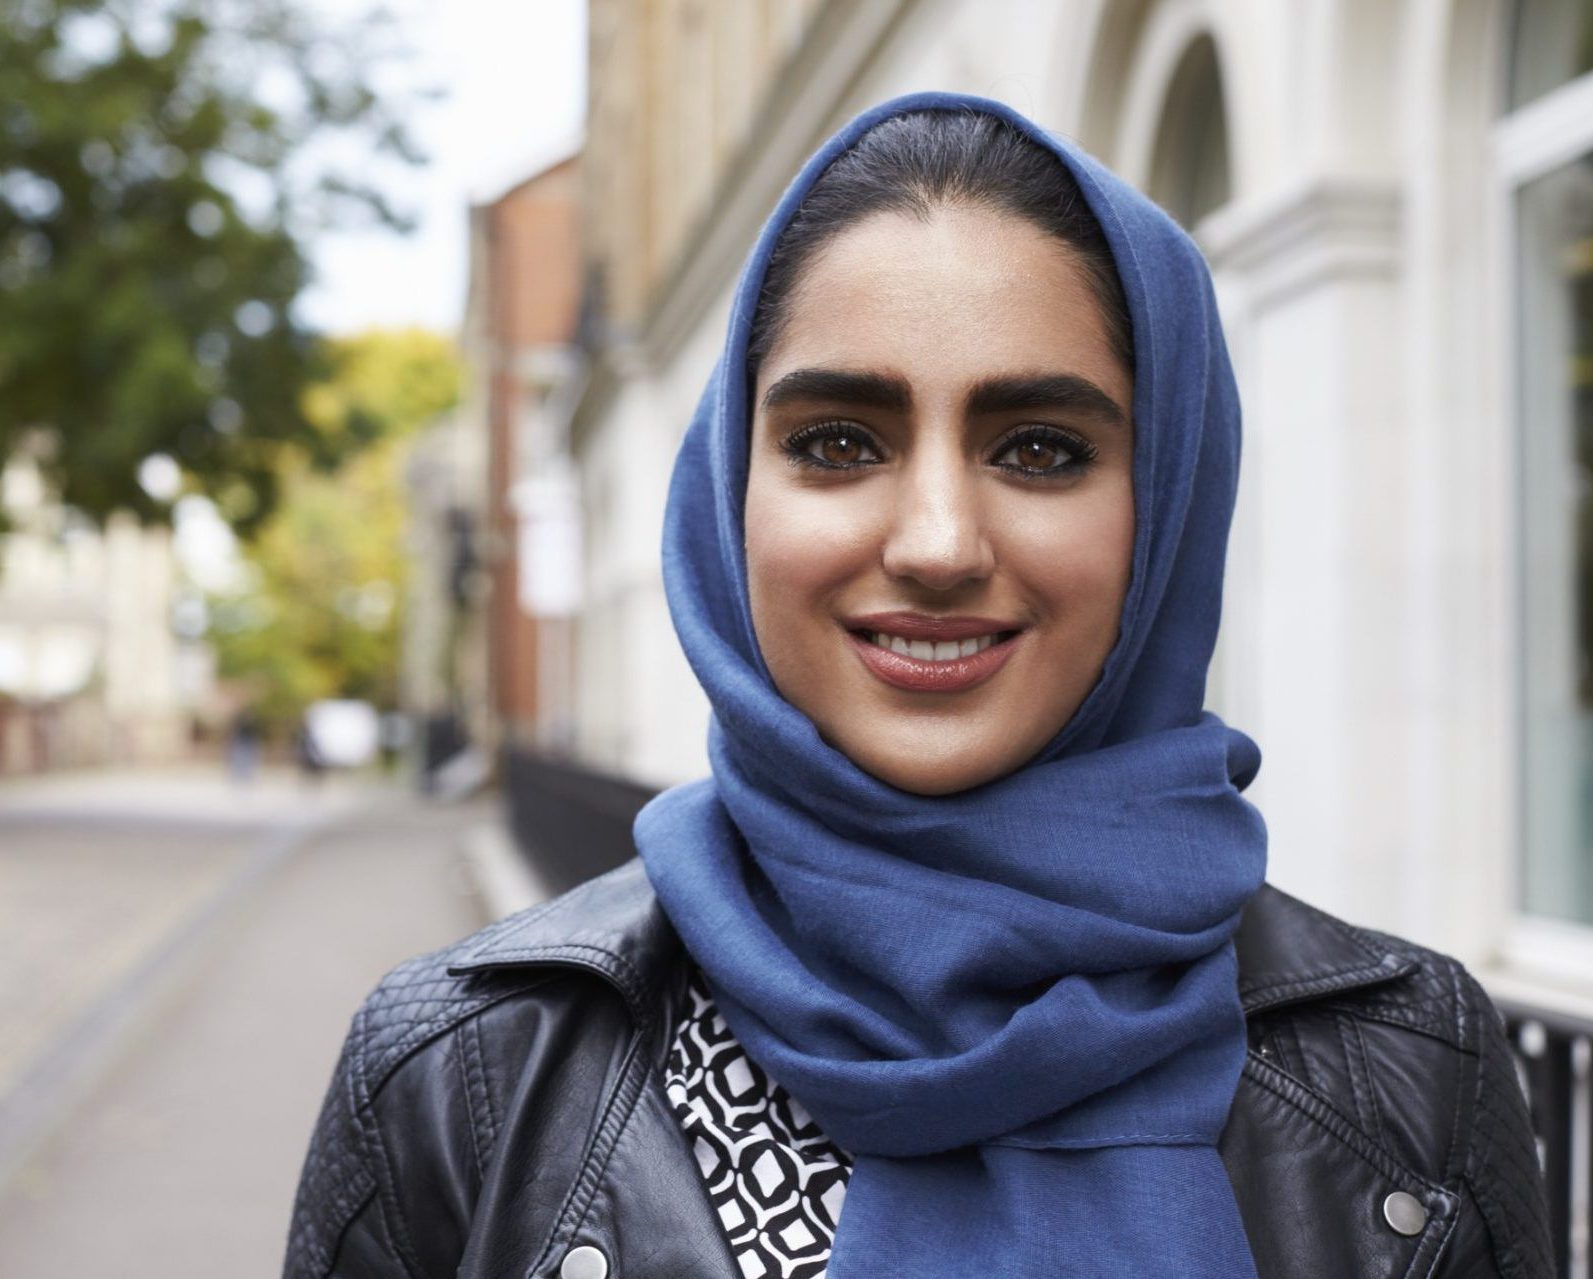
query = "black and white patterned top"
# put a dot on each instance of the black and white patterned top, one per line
(774, 1178)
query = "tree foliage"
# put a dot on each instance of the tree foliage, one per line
(321, 616)
(159, 176)
(384, 384)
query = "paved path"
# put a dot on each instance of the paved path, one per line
(268, 916)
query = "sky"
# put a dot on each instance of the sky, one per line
(515, 71)
(515, 75)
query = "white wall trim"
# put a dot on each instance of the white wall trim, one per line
(1545, 962)
(1297, 239)
(1546, 134)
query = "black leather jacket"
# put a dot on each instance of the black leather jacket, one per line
(499, 1104)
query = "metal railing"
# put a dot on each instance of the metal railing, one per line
(1555, 1056)
(572, 821)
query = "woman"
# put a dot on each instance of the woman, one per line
(961, 963)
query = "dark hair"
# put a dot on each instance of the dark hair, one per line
(924, 160)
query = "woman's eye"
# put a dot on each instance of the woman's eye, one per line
(1037, 454)
(1045, 453)
(837, 447)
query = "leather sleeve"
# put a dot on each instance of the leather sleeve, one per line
(387, 1185)
(1501, 1171)
(335, 1213)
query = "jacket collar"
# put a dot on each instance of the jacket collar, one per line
(611, 925)
(1288, 952)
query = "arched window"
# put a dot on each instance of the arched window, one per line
(1189, 174)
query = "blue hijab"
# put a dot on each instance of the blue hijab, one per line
(1016, 1006)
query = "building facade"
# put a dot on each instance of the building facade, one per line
(1396, 201)
(494, 528)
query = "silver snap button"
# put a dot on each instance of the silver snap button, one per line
(585, 1262)
(1405, 1213)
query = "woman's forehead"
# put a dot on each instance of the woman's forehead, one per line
(943, 303)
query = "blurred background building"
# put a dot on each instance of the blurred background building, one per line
(96, 665)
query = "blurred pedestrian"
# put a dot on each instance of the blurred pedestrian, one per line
(243, 746)
(962, 961)
(307, 751)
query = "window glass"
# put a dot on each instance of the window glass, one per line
(1189, 166)
(1555, 358)
(1551, 44)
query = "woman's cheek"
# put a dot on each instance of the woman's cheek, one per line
(1070, 564)
(803, 550)
(799, 542)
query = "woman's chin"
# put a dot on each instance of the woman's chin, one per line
(940, 772)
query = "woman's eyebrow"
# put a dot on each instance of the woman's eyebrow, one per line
(1044, 391)
(869, 390)
(1000, 394)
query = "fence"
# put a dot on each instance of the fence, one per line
(1555, 1055)
(576, 822)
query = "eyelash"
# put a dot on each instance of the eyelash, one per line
(1081, 452)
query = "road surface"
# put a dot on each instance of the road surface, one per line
(178, 963)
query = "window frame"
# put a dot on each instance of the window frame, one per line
(1531, 142)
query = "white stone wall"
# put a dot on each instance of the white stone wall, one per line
(86, 637)
(1370, 629)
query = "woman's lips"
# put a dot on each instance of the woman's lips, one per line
(919, 676)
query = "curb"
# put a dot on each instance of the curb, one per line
(502, 878)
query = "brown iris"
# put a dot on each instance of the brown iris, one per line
(1037, 454)
(842, 450)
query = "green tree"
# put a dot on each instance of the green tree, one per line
(321, 616)
(162, 163)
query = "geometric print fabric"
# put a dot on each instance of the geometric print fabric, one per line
(774, 1178)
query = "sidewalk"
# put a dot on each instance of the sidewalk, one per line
(273, 913)
(100, 875)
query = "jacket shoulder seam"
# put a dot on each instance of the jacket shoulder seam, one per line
(478, 1089)
(394, 1225)
(1512, 1247)
(1459, 1141)
(461, 998)
(467, 1089)
(327, 1261)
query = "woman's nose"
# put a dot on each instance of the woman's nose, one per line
(937, 535)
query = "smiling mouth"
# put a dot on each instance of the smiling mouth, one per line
(933, 666)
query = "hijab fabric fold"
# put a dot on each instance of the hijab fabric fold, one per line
(1016, 1006)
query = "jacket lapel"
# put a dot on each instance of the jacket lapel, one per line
(1289, 952)
(611, 925)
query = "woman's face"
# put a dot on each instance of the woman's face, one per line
(942, 461)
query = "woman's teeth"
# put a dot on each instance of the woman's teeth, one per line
(929, 651)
